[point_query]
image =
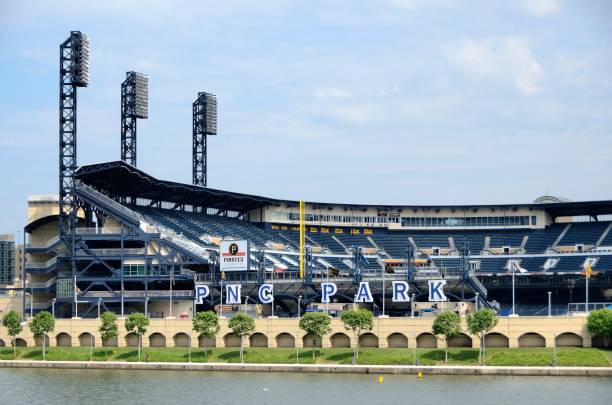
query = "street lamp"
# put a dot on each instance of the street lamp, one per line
(99, 303)
(53, 307)
(550, 303)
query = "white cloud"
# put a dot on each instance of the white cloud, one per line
(539, 8)
(502, 59)
(332, 93)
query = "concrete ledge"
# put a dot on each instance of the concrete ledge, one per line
(317, 368)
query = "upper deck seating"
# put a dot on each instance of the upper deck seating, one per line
(583, 232)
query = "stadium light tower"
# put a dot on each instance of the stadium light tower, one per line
(74, 72)
(204, 124)
(134, 104)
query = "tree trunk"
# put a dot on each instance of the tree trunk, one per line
(14, 348)
(446, 351)
(482, 353)
(314, 346)
(241, 350)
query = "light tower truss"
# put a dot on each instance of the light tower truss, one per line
(204, 124)
(74, 72)
(134, 105)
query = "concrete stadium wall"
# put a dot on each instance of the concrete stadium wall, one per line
(283, 332)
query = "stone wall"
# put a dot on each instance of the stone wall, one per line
(283, 332)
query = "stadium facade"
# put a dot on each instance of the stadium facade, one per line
(142, 244)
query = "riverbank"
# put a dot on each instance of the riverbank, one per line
(317, 368)
(495, 357)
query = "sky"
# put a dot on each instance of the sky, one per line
(390, 101)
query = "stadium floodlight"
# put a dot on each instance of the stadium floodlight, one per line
(141, 99)
(210, 127)
(204, 124)
(79, 59)
(134, 104)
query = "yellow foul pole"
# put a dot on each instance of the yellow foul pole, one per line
(302, 238)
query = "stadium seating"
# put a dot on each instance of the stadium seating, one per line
(541, 239)
(394, 243)
(583, 232)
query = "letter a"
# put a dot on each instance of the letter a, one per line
(363, 292)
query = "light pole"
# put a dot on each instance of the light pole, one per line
(99, 303)
(190, 348)
(554, 360)
(91, 346)
(549, 303)
(53, 307)
(412, 305)
(383, 285)
(414, 353)
(476, 302)
(31, 305)
(297, 335)
(146, 306)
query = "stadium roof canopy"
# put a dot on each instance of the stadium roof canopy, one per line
(120, 179)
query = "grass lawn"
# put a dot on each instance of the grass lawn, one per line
(372, 356)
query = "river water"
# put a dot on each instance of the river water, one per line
(44, 386)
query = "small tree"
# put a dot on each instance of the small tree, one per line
(207, 325)
(12, 322)
(108, 329)
(42, 323)
(479, 323)
(447, 324)
(599, 323)
(242, 325)
(359, 321)
(137, 323)
(317, 325)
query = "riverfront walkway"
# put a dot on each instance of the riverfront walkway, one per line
(317, 368)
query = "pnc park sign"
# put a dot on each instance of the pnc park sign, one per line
(399, 292)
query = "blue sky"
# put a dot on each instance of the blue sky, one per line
(391, 101)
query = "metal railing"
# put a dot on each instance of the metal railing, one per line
(105, 200)
(137, 294)
(111, 252)
(45, 245)
(577, 307)
(40, 284)
(48, 263)
(99, 231)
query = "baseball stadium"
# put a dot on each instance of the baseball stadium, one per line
(118, 239)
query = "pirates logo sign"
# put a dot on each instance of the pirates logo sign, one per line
(234, 255)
